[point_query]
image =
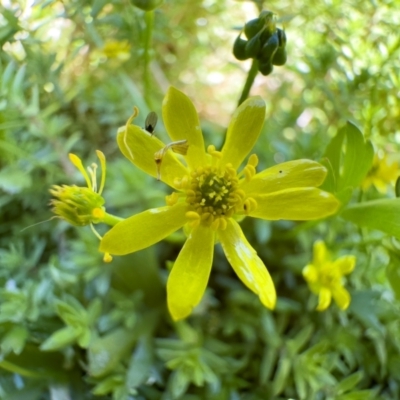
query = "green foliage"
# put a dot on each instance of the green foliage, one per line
(72, 327)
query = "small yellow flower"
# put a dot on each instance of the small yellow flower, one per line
(381, 174)
(325, 277)
(210, 196)
(119, 49)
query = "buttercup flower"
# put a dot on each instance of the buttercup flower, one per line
(381, 174)
(325, 277)
(210, 195)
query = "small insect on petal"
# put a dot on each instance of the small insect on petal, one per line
(151, 122)
(179, 147)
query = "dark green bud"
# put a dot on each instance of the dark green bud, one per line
(269, 49)
(253, 46)
(281, 37)
(147, 5)
(280, 57)
(239, 48)
(253, 27)
(265, 67)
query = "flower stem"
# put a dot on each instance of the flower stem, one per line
(149, 19)
(111, 219)
(249, 81)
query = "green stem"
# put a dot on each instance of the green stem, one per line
(111, 219)
(149, 19)
(249, 82)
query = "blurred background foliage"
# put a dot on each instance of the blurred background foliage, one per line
(72, 327)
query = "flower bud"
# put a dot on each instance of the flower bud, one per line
(253, 46)
(253, 27)
(239, 48)
(79, 206)
(265, 67)
(269, 49)
(280, 56)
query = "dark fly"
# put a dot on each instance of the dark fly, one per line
(150, 122)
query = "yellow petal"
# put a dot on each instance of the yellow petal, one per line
(325, 297)
(143, 230)
(310, 273)
(189, 276)
(246, 263)
(243, 131)
(291, 174)
(341, 297)
(139, 147)
(345, 264)
(320, 255)
(182, 122)
(298, 204)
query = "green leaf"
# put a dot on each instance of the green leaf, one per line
(331, 160)
(357, 160)
(300, 340)
(178, 383)
(61, 338)
(140, 364)
(106, 352)
(393, 275)
(350, 382)
(382, 215)
(282, 375)
(14, 340)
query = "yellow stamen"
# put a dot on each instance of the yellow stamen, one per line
(78, 164)
(102, 159)
(107, 257)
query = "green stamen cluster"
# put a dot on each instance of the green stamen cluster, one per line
(214, 194)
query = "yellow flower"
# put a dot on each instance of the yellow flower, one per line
(210, 195)
(119, 49)
(325, 277)
(381, 174)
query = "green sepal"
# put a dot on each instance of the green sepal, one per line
(239, 48)
(382, 215)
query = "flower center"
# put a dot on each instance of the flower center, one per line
(213, 195)
(329, 276)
